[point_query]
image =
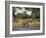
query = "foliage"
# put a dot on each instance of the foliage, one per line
(35, 14)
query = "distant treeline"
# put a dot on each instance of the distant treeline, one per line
(35, 14)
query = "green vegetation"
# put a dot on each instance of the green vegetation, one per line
(22, 19)
(35, 14)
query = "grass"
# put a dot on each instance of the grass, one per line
(31, 23)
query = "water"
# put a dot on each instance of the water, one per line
(18, 28)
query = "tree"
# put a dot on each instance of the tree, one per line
(36, 12)
(19, 16)
(24, 15)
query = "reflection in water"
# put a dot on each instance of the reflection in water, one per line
(26, 27)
